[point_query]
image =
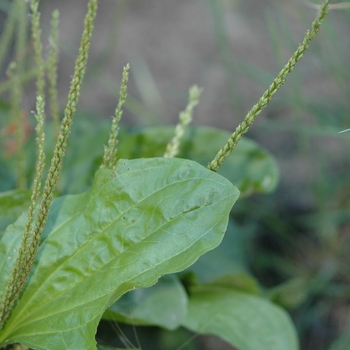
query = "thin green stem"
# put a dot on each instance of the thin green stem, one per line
(38, 48)
(269, 93)
(73, 96)
(110, 153)
(185, 117)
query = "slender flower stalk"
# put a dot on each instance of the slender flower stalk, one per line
(22, 265)
(38, 48)
(269, 93)
(52, 72)
(185, 117)
(110, 153)
(73, 96)
(40, 164)
(18, 278)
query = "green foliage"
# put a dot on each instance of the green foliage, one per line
(74, 259)
(234, 304)
(126, 236)
(236, 316)
(31, 237)
(255, 168)
(163, 304)
(12, 204)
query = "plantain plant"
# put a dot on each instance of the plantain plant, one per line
(94, 246)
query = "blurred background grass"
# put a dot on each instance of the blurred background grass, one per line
(297, 238)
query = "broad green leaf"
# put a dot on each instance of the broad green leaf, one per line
(164, 305)
(292, 293)
(149, 218)
(12, 205)
(9, 244)
(239, 282)
(243, 320)
(228, 258)
(249, 167)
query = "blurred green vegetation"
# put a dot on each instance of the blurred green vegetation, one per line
(296, 240)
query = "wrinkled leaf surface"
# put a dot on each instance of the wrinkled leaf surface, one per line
(149, 218)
